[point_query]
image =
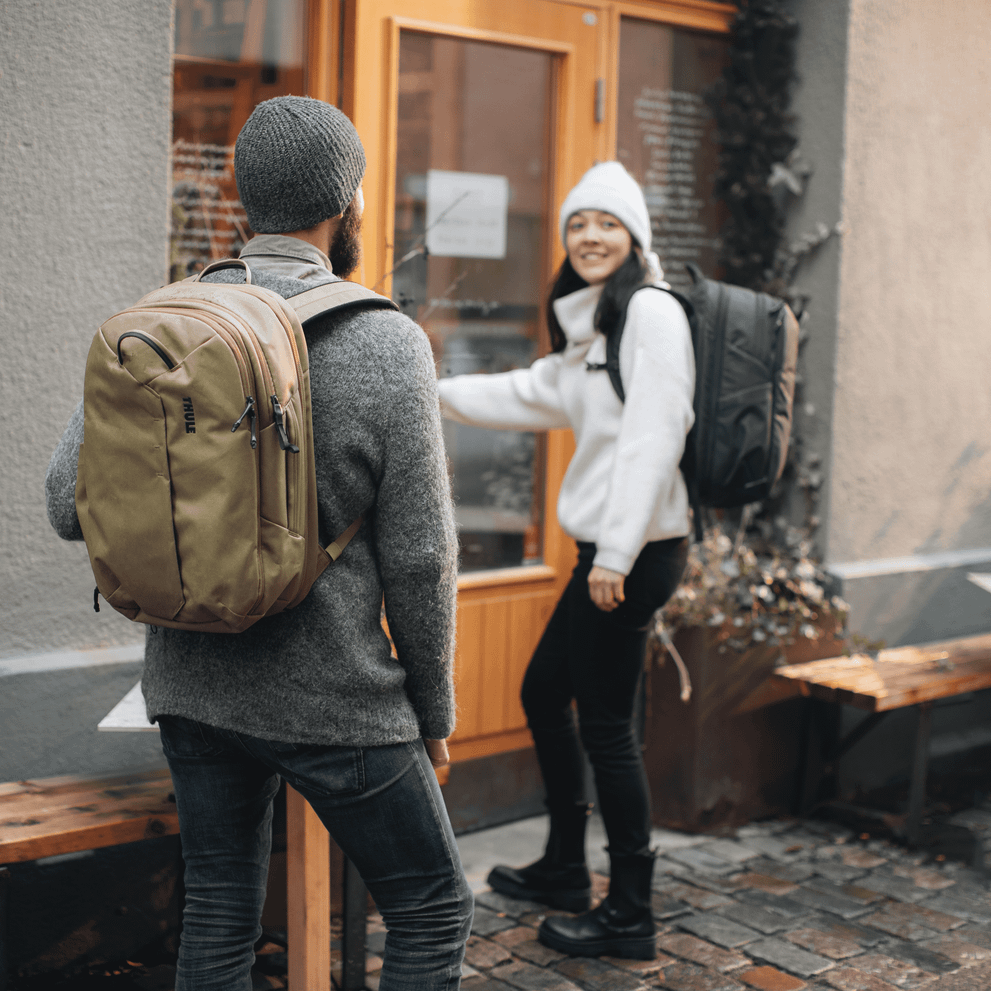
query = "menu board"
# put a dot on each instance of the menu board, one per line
(666, 139)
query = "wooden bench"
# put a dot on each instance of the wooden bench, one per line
(51, 816)
(880, 684)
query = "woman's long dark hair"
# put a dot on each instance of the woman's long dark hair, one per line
(632, 275)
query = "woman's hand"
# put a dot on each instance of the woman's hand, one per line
(437, 752)
(605, 588)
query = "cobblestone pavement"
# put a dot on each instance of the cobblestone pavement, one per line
(778, 906)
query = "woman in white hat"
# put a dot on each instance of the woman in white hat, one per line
(624, 501)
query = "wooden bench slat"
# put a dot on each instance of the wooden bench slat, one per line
(833, 667)
(91, 837)
(105, 800)
(905, 690)
(898, 677)
(28, 821)
(52, 816)
(962, 649)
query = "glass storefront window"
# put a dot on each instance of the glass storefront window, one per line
(472, 189)
(666, 138)
(229, 56)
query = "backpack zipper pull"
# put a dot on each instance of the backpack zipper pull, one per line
(280, 427)
(249, 412)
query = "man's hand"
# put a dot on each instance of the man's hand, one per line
(605, 588)
(437, 752)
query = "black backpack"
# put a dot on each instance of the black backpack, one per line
(746, 350)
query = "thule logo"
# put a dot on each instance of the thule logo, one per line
(189, 415)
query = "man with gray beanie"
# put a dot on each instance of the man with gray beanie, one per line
(316, 695)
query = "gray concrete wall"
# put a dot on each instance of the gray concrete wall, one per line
(911, 447)
(819, 105)
(48, 721)
(891, 117)
(85, 133)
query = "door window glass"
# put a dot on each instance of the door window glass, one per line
(229, 56)
(471, 228)
(666, 138)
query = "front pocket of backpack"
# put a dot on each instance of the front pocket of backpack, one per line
(129, 531)
(743, 437)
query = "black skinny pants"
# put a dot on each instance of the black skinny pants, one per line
(596, 658)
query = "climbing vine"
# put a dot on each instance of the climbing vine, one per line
(750, 105)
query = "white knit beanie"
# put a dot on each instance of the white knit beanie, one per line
(609, 187)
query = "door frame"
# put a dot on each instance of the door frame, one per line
(584, 130)
(555, 549)
(371, 98)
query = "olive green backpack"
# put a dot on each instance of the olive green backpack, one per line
(196, 490)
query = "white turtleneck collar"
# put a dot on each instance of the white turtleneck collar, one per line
(576, 311)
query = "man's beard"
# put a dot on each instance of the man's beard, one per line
(345, 247)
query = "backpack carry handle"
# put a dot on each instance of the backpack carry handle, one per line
(225, 263)
(153, 344)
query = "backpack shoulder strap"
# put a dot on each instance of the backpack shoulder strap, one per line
(337, 296)
(616, 338)
(315, 303)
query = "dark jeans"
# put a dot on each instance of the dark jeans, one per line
(382, 806)
(596, 658)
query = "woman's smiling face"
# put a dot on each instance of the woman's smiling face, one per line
(597, 244)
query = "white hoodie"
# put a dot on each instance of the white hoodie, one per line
(623, 487)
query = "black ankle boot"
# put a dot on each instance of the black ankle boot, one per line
(622, 926)
(560, 878)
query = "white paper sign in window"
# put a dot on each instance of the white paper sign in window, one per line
(466, 214)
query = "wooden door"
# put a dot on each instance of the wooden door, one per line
(495, 102)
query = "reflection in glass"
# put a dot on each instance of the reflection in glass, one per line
(230, 55)
(666, 138)
(473, 154)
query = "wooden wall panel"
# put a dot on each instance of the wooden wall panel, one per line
(528, 617)
(497, 635)
(468, 669)
(496, 651)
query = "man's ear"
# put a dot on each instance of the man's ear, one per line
(332, 224)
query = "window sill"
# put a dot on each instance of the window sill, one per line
(524, 575)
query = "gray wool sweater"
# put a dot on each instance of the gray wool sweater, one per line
(324, 672)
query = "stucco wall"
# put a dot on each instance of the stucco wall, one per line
(911, 457)
(819, 104)
(85, 93)
(889, 113)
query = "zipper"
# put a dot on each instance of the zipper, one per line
(244, 339)
(779, 348)
(295, 481)
(717, 378)
(243, 361)
(231, 340)
(291, 335)
(249, 412)
(239, 339)
(280, 427)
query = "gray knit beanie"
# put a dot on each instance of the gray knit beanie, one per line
(297, 161)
